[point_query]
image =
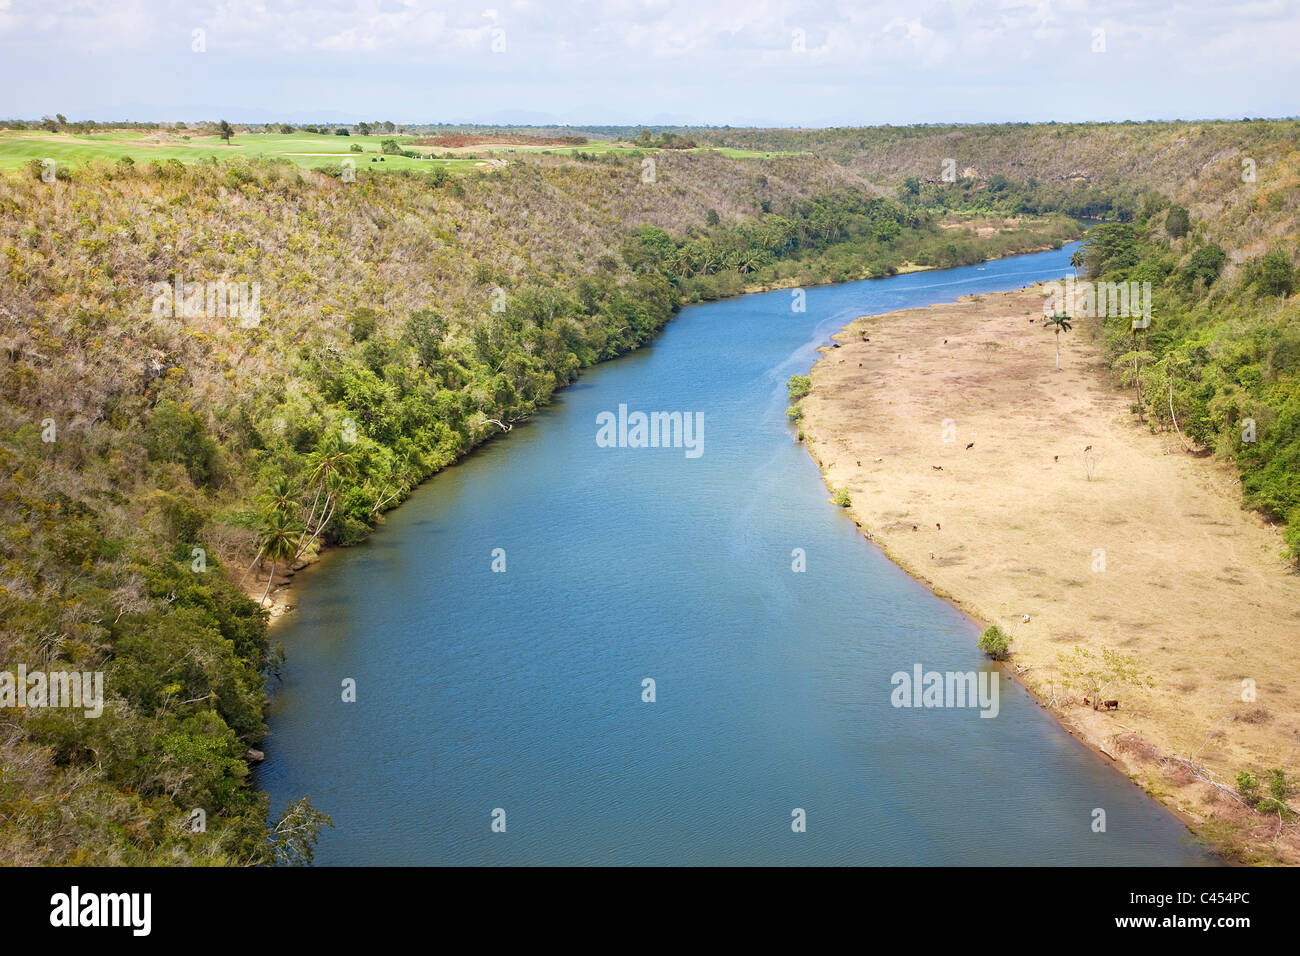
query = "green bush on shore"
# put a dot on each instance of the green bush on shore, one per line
(995, 643)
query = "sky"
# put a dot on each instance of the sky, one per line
(630, 62)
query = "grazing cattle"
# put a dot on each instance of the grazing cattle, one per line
(1056, 458)
(1086, 701)
(970, 446)
(936, 524)
(913, 527)
(937, 467)
(1110, 704)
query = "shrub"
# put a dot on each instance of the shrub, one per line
(1248, 787)
(1274, 274)
(995, 643)
(1277, 784)
(1206, 264)
(176, 433)
(1177, 222)
(799, 386)
(842, 498)
(362, 324)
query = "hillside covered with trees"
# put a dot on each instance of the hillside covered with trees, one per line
(163, 457)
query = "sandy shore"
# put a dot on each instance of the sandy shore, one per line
(1151, 555)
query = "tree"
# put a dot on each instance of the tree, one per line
(1137, 362)
(279, 500)
(280, 497)
(1177, 222)
(1274, 274)
(424, 333)
(1206, 263)
(293, 838)
(363, 129)
(327, 468)
(226, 131)
(995, 643)
(280, 538)
(1058, 323)
(711, 218)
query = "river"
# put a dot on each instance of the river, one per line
(522, 691)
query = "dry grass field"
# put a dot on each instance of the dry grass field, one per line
(1150, 554)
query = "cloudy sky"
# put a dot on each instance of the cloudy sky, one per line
(737, 62)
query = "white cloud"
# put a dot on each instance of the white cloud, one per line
(719, 56)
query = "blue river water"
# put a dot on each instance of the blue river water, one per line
(522, 691)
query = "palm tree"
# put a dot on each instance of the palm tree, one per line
(1058, 323)
(331, 458)
(279, 539)
(279, 496)
(280, 500)
(326, 469)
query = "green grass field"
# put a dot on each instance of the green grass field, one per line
(308, 150)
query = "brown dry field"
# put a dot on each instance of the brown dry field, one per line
(1194, 587)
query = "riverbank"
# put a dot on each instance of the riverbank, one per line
(1050, 512)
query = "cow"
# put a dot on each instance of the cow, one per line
(1110, 704)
